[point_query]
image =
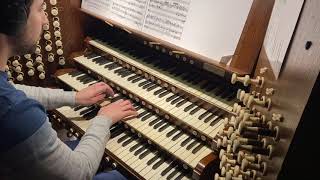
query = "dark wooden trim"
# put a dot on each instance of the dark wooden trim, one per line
(207, 167)
(251, 40)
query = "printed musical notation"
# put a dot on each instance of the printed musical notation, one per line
(129, 11)
(205, 27)
(167, 17)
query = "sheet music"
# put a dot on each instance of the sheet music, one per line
(100, 7)
(281, 27)
(129, 12)
(166, 18)
(211, 28)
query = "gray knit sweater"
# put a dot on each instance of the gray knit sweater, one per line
(44, 156)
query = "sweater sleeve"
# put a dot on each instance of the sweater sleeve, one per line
(49, 98)
(43, 156)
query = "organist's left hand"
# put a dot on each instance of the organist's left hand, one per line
(93, 94)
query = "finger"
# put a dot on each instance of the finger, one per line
(100, 84)
(118, 102)
(130, 113)
(128, 107)
(125, 102)
(104, 89)
(98, 98)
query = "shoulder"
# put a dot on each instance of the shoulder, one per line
(20, 117)
(9, 97)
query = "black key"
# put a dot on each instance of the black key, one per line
(144, 154)
(165, 171)
(205, 85)
(173, 131)
(191, 79)
(117, 98)
(164, 127)
(148, 85)
(186, 141)
(188, 108)
(176, 100)
(81, 77)
(204, 115)
(137, 79)
(85, 80)
(126, 74)
(89, 81)
(123, 138)
(214, 122)
(210, 87)
(143, 114)
(143, 83)
(152, 87)
(92, 114)
(137, 108)
(87, 110)
(146, 117)
(109, 65)
(157, 164)
(191, 145)
(225, 93)
(159, 91)
(119, 70)
(171, 175)
(221, 113)
(140, 150)
(116, 132)
(187, 76)
(220, 90)
(197, 80)
(133, 77)
(78, 108)
(75, 73)
(125, 143)
(198, 148)
(153, 122)
(134, 147)
(180, 176)
(177, 136)
(171, 97)
(114, 67)
(181, 103)
(163, 94)
(209, 118)
(159, 124)
(195, 110)
(91, 55)
(152, 160)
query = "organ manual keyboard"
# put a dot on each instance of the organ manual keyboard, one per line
(202, 114)
(183, 98)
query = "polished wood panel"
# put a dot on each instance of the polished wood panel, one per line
(297, 78)
(252, 37)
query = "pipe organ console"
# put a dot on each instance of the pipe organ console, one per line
(201, 115)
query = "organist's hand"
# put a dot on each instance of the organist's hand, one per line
(118, 110)
(93, 94)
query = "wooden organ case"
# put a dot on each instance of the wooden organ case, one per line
(198, 118)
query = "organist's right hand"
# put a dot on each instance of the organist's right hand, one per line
(118, 110)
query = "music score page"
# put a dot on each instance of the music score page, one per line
(211, 28)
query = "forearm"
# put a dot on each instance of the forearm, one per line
(49, 98)
(44, 156)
